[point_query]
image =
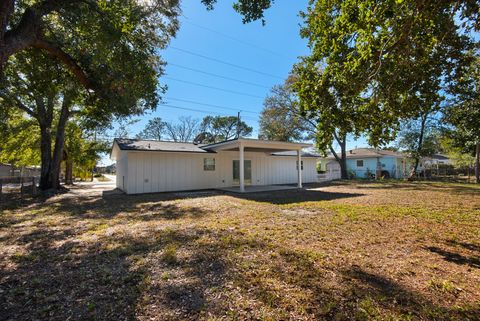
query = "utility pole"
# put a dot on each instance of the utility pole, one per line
(238, 125)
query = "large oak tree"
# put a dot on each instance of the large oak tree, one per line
(87, 36)
(464, 113)
(96, 58)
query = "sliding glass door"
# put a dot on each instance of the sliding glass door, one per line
(247, 164)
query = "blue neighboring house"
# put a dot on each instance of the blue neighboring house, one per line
(366, 162)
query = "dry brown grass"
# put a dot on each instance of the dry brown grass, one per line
(349, 250)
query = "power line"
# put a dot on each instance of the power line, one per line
(217, 75)
(225, 62)
(200, 111)
(213, 87)
(234, 38)
(212, 105)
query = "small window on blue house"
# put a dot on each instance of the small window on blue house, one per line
(383, 165)
(359, 162)
(209, 164)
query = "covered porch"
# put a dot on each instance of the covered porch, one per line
(242, 145)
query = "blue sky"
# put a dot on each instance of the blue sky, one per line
(253, 56)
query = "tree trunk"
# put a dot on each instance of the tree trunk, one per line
(46, 156)
(59, 144)
(50, 163)
(419, 146)
(69, 171)
(477, 163)
(342, 160)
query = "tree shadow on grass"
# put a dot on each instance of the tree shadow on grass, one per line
(110, 279)
(352, 293)
(294, 196)
(457, 188)
(191, 273)
(456, 258)
(401, 300)
(136, 208)
(465, 245)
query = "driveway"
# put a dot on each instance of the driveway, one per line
(95, 188)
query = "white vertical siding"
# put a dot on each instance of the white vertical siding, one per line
(121, 169)
(147, 172)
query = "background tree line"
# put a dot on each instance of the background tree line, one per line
(211, 129)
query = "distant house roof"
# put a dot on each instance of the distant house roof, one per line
(371, 152)
(439, 157)
(155, 145)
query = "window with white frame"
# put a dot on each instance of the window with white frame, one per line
(301, 163)
(209, 164)
(359, 162)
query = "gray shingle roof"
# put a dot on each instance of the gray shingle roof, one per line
(168, 146)
(155, 145)
(440, 157)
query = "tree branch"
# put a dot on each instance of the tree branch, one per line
(66, 59)
(19, 104)
(334, 153)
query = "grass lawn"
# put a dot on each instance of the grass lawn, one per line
(349, 250)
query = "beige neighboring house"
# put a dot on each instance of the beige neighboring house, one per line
(145, 166)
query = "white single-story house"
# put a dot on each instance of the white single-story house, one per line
(145, 166)
(435, 160)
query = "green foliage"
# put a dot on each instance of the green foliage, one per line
(351, 174)
(251, 10)
(409, 136)
(464, 112)
(84, 151)
(153, 130)
(217, 128)
(169, 255)
(280, 118)
(20, 143)
(328, 105)
(379, 62)
(456, 154)
(109, 47)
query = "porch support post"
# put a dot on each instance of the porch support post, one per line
(242, 169)
(299, 168)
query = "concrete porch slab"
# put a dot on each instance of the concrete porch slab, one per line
(258, 188)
